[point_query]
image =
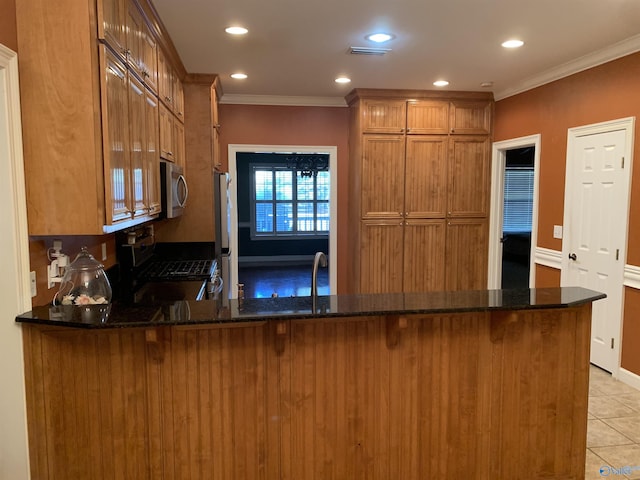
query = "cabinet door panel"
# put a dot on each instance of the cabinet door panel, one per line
(166, 133)
(112, 18)
(165, 80)
(384, 116)
(149, 59)
(428, 117)
(381, 256)
(469, 117)
(424, 262)
(466, 253)
(137, 134)
(115, 122)
(426, 176)
(468, 176)
(152, 154)
(135, 26)
(383, 176)
(178, 143)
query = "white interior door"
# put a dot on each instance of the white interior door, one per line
(596, 216)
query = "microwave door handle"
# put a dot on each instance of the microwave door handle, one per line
(186, 191)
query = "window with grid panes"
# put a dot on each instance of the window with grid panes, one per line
(286, 204)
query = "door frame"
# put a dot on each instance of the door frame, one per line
(332, 151)
(17, 295)
(498, 164)
(628, 125)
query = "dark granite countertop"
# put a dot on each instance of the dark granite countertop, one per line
(175, 304)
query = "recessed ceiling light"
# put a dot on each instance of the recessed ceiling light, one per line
(441, 83)
(512, 43)
(239, 76)
(379, 37)
(236, 30)
(343, 80)
(486, 84)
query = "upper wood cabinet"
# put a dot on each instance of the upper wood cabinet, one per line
(470, 117)
(112, 24)
(89, 135)
(170, 89)
(122, 25)
(116, 138)
(220, 164)
(151, 171)
(426, 116)
(425, 181)
(384, 116)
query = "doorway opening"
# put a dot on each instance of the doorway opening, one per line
(283, 211)
(514, 213)
(517, 208)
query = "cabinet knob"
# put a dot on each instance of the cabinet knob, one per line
(402, 130)
(408, 130)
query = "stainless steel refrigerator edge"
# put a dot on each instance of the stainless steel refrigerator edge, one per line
(222, 212)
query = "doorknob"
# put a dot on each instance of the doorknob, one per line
(572, 256)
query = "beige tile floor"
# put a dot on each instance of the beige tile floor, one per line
(613, 429)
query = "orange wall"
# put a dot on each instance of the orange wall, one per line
(603, 93)
(283, 125)
(8, 36)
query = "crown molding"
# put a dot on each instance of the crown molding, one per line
(234, 99)
(612, 52)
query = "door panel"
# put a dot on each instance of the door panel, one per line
(466, 253)
(383, 176)
(381, 256)
(597, 233)
(426, 176)
(424, 263)
(468, 176)
(428, 117)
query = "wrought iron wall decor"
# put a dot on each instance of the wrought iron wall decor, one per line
(308, 165)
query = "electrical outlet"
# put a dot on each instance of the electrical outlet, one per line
(34, 290)
(104, 252)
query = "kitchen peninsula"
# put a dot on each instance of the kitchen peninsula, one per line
(447, 385)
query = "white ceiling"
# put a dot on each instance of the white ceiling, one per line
(296, 48)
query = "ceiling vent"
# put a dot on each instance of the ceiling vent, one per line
(368, 50)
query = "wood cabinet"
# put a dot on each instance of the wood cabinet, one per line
(116, 150)
(473, 395)
(418, 163)
(151, 171)
(172, 141)
(123, 26)
(170, 89)
(87, 129)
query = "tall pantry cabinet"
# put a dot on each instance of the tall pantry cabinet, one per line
(419, 190)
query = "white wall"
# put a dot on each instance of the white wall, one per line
(15, 295)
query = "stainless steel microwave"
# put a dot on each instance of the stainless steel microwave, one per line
(174, 191)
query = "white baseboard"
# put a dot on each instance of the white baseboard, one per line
(629, 378)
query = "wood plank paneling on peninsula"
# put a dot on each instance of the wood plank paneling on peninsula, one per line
(483, 394)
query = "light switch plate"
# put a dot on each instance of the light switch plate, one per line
(557, 231)
(104, 251)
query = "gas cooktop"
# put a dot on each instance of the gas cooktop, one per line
(172, 270)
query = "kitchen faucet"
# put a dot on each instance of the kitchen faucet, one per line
(320, 260)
